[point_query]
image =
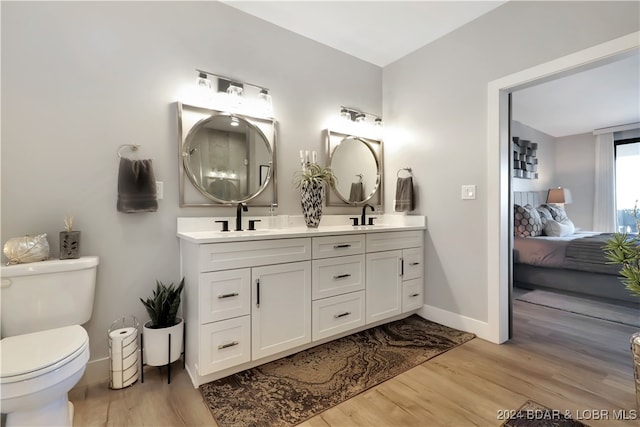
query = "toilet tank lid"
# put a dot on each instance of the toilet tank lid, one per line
(49, 266)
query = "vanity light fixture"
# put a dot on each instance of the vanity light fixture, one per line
(235, 96)
(234, 121)
(351, 114)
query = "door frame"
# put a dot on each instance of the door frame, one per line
(499, 168)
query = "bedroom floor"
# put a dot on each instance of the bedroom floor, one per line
(561, 360)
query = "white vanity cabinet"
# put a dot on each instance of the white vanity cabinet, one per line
(394, 273)
(338, 283)
(244, 301)
(250, 300)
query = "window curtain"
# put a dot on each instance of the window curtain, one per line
(604, 204)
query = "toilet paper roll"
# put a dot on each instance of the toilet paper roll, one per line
(120, 379)
(122, 363)
(121, 339)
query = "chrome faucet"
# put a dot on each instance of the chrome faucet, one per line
(363, 216)
(241, 207)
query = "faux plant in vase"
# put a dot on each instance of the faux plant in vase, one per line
(312, 181)
(162, 308)
(69, 240)
(624, 249)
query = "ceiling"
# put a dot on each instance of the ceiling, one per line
(381, 32)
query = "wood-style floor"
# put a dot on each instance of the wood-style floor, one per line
(561, 360)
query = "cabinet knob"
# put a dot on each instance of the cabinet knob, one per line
(342, 246)
(341, 276)
(414, 263)
(414, 295)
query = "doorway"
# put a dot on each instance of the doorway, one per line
(498, 187)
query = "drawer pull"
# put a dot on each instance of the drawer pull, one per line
(231, 344)
(346, 313)
(341, 276)
(414, 295)
(235, 294)
(414, 263)
(345, 245)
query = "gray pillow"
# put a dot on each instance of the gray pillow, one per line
(526, 221)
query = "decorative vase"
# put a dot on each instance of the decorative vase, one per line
(312, 199)
(69, 244)
(635, 354)
(156, 344)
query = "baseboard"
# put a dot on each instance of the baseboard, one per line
(97, 372)
(455, 320)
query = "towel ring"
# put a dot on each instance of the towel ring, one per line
(132, 147)
(404, 169)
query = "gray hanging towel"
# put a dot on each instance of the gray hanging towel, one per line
(357, 192)
(136, 186)
(404, 195)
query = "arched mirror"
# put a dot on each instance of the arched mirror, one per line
(357, 163)
(228, 158)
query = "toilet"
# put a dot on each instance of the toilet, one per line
(44, 351)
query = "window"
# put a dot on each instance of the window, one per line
(627, 155)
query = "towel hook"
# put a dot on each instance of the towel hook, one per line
(404, 169)
(132, 147)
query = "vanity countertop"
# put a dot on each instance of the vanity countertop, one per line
(206, 230)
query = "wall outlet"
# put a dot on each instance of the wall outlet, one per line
(468, 192)
(159, 190)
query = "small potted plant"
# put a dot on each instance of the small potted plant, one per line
(69, 240)
(624, 249)
(162, 308)
(312, 181)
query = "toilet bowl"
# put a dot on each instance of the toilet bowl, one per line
(37, 371)
(44, 351)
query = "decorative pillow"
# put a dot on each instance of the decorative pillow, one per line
(557, 213)
(545, 214)
(559, 228)
(526, 221)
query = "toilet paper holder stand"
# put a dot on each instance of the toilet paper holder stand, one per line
(123, 352)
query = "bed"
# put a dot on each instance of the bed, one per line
(568, 262)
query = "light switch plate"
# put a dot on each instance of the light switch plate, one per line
(159, 190)
(468, 192)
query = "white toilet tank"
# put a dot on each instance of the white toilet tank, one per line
(47, 294)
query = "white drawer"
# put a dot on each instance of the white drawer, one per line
(338, 314)
(412, 295)
(224, 344)
(226, 256)
(413, 263)
(392, 240)
(224, 294)
(335, 276)
(334, 246)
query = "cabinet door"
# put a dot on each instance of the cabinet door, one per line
(383, 285)
(225, 294)
(412, 295)
(335, 276)
(412, 263)
(281, 308)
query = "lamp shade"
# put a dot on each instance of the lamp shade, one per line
(559, 195)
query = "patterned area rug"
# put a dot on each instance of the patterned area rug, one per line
(533, 414)
(293, 389)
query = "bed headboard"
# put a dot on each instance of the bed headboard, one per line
(533, 198)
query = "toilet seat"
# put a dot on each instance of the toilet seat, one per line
(31, 355)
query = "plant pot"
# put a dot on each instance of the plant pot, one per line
(69, 244)
(635, 354)
(312, 199)
(156, 344)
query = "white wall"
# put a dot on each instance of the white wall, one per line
(575, 170)
(436, 100)
(81, 78)
(546, 158)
